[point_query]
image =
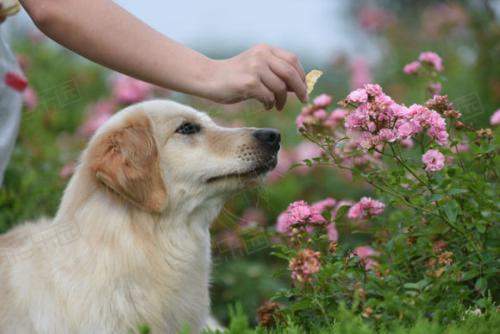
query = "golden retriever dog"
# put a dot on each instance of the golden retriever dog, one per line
(130, 242)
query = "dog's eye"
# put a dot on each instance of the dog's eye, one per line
(188, 128)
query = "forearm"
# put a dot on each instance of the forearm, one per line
(104, 32)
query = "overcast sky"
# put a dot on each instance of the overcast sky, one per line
(314, 29)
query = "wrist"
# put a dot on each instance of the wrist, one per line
(204, 81)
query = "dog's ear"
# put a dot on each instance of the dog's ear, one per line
(126, 161)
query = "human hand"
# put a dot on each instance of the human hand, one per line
(263, 72)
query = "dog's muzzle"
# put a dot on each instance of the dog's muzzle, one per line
(261, 157)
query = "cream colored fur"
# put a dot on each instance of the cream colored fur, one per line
(106, 265)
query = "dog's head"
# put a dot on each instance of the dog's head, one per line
(158, 152)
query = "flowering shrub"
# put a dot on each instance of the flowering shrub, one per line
(429, 229)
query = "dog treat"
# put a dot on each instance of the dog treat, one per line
(9, 7)
(311, 79)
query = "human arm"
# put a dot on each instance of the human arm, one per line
(103, 32)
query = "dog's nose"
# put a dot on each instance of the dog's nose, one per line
(268, 137)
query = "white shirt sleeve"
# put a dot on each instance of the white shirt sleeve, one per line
(10, 107)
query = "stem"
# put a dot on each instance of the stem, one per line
(401, 162)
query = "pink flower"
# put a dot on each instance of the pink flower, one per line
(67, 170)
(357, 96)
(97, 115)
(387, 135)
(495, 118)
(283, 223)
(373, 89)
(322, 101)
(435, 88)
(443, 19)
(333, 234)
(438, 246)
(365, 254)
(128, 90)
(460, 148)
(326, 204)
(336, 117)
(253, 217)
(320, 114)
(93, 123)
(412, 68)
(422, 117)
(310, 115)
(365, 208)
(301, 212)
(379, 119)
(405, 130)
(407, 143)
(364, 251)
(30, 98)
(432, 59)
(298, 213)
(375, 19)
(230, 239)
(360, 73)
(305, 151)
(433, 160)
(300, 121)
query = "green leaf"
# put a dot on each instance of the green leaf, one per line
(457, 191)
(303, 304)
(342, 211)
(436, 197)
(420, 285)
(481, 284)
(451, 209)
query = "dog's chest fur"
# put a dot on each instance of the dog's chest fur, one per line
(166, 290)
(158, 275)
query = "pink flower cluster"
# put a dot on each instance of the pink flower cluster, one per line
(97, 115)
(253, 217)
(432, 59)
(375, 19)
(443, 19)
(302, 215)
(365, 254)
(428, 58)
(316, 114)
(299, 213)
(306, 263)
(360, 73)
(433, 160)
(367, 207)
(495, 118)
(378, 119)
(412, 68)
(127, 90)
(30, 98)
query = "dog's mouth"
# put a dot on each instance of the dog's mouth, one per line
(256, 171)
